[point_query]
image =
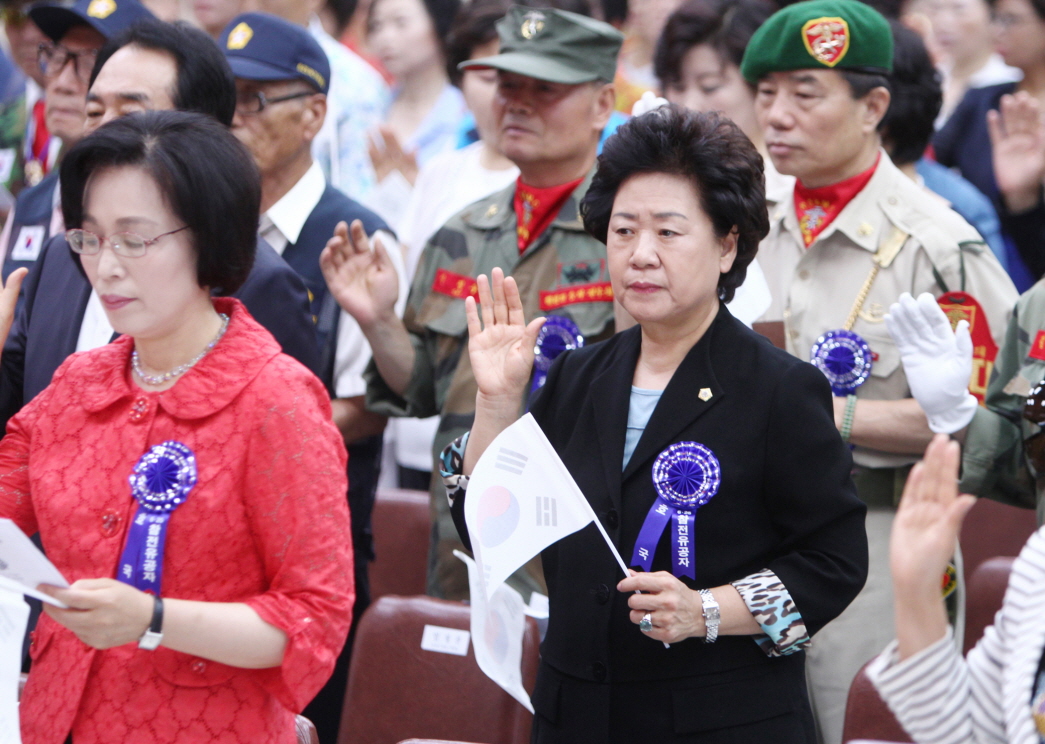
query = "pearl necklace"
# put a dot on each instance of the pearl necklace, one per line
(182, 369)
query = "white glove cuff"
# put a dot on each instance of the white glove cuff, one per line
(956, 418)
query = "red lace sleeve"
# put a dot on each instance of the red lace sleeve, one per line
(16, 501)
(296, 486)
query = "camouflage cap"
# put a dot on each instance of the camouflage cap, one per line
(553, 45)
(829, 34)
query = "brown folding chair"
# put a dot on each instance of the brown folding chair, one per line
(433, 741)
(401, 523)
(984, 595)
(306, 731)
(867, 716)
(991, 529)
(397, 690)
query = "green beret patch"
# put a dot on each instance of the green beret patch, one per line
(832, 34)
(826, 39)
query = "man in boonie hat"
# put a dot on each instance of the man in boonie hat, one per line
(554, 97)
(852, 235)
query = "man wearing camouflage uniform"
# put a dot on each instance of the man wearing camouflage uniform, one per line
(554, 98)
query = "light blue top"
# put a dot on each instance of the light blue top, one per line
(640, 408)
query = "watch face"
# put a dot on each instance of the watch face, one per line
(150, 641)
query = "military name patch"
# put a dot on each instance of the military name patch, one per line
(556, 298)
(455, 285)
(1037, 349)
(826, 39)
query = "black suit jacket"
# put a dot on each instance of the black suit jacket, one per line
(786, 503)
(54, 298)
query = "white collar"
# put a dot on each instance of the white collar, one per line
(289, 214)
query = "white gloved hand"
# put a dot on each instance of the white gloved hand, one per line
(647, 103)
(936, 360)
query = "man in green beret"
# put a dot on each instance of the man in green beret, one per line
(850, 237)
(554, 97)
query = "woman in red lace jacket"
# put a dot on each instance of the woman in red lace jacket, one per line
(190, 460)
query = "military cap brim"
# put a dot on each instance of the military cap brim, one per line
(56, 20)
(532, 65)
(253, 69)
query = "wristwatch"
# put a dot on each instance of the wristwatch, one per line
(711, 615)
(152, 636)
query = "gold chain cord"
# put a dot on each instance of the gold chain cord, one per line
(884, 256)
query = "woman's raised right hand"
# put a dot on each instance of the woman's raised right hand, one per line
(501, 346)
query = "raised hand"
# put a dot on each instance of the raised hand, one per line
(1018, 146)
(925, 533)
(936, 360)
(501, 346)
(390, 156)
(363, 281)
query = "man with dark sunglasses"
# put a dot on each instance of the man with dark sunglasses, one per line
(75, 35)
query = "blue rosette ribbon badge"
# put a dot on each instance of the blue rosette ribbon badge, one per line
(686, 476)
(160, 483)
(558, 334)
(844, 358)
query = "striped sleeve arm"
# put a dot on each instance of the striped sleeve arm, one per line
(929, 692)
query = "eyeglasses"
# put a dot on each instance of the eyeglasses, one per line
(1034, 412)
(128, 244)
(249, 104)
(52, 59)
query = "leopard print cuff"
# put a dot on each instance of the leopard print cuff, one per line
(451, 465)
(771, 605)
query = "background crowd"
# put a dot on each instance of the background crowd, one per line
(403, 148)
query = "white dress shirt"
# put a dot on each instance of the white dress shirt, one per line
(281, 226)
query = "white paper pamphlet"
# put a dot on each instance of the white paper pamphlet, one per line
(23, 566)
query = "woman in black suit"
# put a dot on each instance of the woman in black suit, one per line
(691, 414)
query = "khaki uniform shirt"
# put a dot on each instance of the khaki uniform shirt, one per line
(993, 465)
(814, 289)
(563, 272)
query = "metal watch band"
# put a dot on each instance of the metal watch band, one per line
(711, 615)
(153, 635)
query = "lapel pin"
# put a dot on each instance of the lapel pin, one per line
(704, 394)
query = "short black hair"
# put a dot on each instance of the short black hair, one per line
(205, 174)
(861, 83)
(707, 149)
(475, 25)
(725, 25)
(205, 82)
(917, 97)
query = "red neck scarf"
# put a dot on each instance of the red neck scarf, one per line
(817, 208)
(536, 209)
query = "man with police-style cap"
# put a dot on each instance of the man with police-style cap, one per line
(850, 237)
(76, 33)
(282, 78)
(554, 97)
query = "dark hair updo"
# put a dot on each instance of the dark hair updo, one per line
(706, 149)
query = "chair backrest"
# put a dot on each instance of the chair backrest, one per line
(401, 523)
(991, 529)
(867, 716)
(397, 690)
(306, 731)
(983, 597)
(433, 741)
